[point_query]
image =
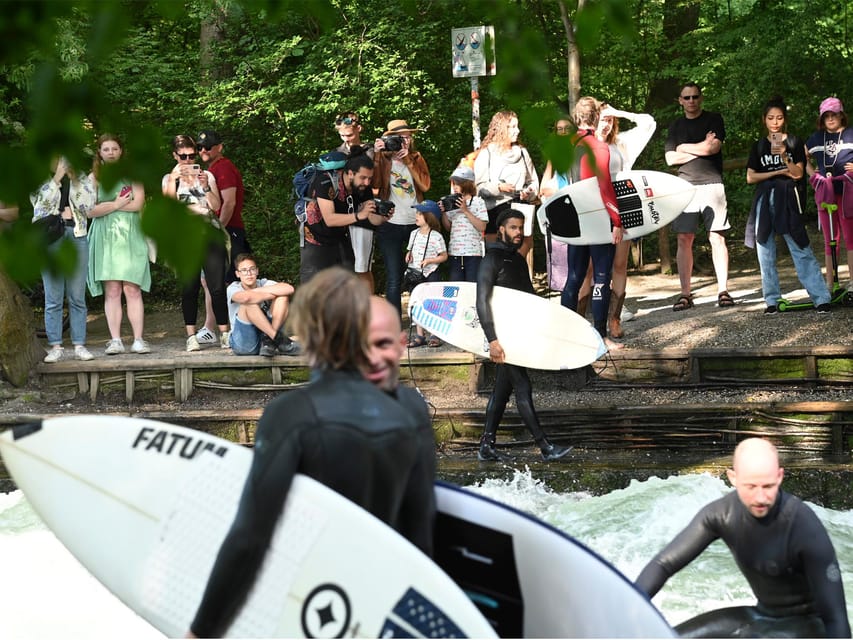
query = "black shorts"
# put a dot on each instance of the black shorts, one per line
(316, 257)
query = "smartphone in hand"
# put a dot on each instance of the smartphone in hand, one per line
(777, 142)
(125, 190)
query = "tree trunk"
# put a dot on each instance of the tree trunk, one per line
(212, 32)
(573, 63)
(19, 349)
(680, 18)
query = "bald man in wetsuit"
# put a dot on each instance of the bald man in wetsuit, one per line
(780, 546)
(352, 428)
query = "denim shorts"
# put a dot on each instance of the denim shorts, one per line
(245, 338)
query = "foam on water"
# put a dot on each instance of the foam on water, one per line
(629, 526)
(47, 593)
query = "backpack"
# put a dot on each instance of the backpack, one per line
(304, 178)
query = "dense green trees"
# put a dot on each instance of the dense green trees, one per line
(271, 75)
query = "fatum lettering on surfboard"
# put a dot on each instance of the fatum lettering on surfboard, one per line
(167, 442)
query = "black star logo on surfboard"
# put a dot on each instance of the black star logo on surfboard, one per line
(326, 612)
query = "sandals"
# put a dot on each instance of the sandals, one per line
(725, 300)
(434, 342)
(416, 341)
(684, 303)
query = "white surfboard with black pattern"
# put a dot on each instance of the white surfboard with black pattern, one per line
(145, 506)
(647, 201)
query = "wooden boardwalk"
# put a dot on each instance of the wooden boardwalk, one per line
(816, 364)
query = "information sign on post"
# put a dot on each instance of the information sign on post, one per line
(473, 55)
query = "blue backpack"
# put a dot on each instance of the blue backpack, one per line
(304, 179)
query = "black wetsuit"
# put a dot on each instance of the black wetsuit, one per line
(375, 448)
(503, 266)
(786, 556)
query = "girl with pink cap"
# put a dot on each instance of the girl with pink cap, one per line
(831, 149)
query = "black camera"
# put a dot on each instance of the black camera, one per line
(450, 202)
(392, 143)
(383, 207)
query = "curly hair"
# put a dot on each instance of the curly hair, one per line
(331, 314)
(586, 112)
(498, 131)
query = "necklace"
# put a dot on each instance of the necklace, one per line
(830, 148)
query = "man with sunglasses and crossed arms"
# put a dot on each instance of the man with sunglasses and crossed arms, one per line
(694, 144)
(348, 126)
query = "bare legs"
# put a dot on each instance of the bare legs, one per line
(113, 290)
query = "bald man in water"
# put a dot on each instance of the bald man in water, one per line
(780, 546)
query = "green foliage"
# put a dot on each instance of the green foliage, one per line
(271, 75)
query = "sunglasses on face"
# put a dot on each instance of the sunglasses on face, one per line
(202, 147)
(693, 97)
(185, 156)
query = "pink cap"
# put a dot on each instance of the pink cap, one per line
(831, 105)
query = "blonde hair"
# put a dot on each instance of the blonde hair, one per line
(498, 133)
(331, 314)
(586, 112)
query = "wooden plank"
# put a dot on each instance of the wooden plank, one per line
(276, 375)
(129, 385)
(94, 381)
(83, 382)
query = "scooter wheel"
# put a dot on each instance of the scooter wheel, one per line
(847, 300)
(782, 305)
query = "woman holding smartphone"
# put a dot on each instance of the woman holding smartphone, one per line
(197, 189)
(118, 253)
(776, 167)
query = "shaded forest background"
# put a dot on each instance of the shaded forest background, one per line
(271, 76)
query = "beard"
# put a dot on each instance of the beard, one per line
(361, 192)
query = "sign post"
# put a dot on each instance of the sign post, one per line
(473, 50)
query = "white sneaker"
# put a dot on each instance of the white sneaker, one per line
(205, 336)
(192, 343)
(114, 347)
(54, 355)
(82, 353)
(140, 346)
(626, 315)
(224, 340)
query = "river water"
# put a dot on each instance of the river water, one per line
(45, 593)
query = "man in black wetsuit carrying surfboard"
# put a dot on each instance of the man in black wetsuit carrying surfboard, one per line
(351, 428)
(503, 266)
(780, 546)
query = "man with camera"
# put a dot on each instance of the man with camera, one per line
(348, 127)
(402, 177)
(341, 199)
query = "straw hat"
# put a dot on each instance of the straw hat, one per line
(397, 127)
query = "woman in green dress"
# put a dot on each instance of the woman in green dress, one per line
(118, 253)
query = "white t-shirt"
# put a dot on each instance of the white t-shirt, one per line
(402, 194)
(192, 195)
(236, 286)
(417, 242)
(465, 240)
